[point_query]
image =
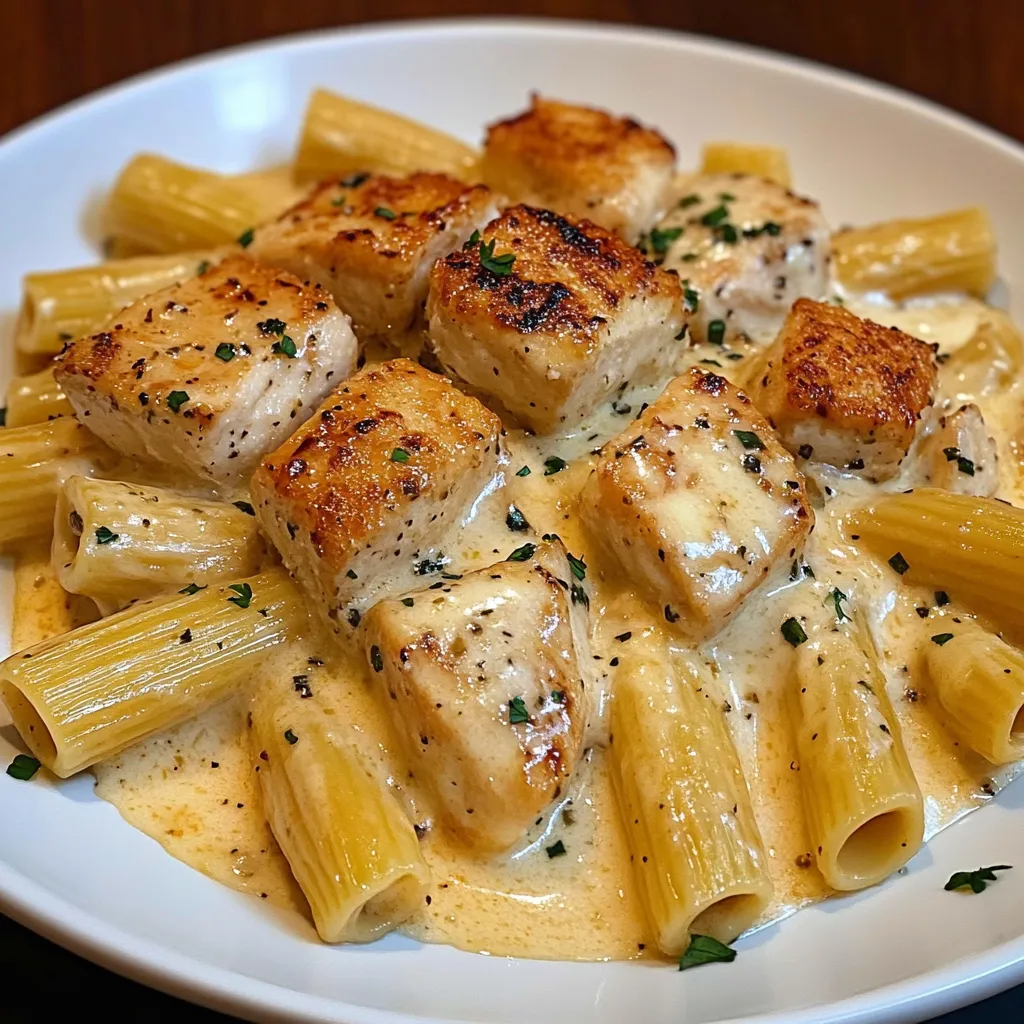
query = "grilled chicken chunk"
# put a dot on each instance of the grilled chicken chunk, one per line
(207, 375)
(698, 500)
(582, 161)
(486, 680)
(846, 391)
(551, 315)
(371, 241)
(746, 248)
(960, 454)
(368, 496)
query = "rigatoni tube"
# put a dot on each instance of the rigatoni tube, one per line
(118, 542)
(34, 462)
(58, 305)
(340, 135)
(697, 853)
(865, 813)
(746, 158)
(86, 695)
(979, 681)
(350, 846)
(35, 398)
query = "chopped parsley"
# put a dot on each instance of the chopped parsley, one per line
(226, 351)
(243, 594)
(899, 563)
(353, 617)
(176, 399)
(556, 850)
(554, 465)
(623, 637)
(272, 326)
(836, 596)
(942, 638)
(500, 265)
(579, 595)
(715, 217)
(941, 598)
(716, 332)
(749, 440)
(727, 233)
(104, 535)
(408, 602)
(975, 880)
(515, 520)
(244, 506)
(383, 211)
(662, 238)
(965, 465)
(352, 574)
(952, 454)
(472, 242)
(578, 566)
(355, 180)
(793, 632)
(246, 237)
(284, 347)
(23, 767)
(691, 200)
(517, 712)
(340, 201)
(399, 455)
(301, 686)
(703, 949)
(522, 554)
(751, 463)
(558, 696)
(429, 565)
(192, 588)
(692, 299)
(525, 471)
(204, 266)
(376, 659)
(291, 737)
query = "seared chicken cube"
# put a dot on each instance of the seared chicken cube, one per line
(583, 161)
(486, 684)
(846, 391)
(550, 315)
(698, 500)
(371, 241)
(960, 454)
(207, 375)
(369, 495)
(745, 248)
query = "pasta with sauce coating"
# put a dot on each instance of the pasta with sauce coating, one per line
(36, 398)
(747, 158)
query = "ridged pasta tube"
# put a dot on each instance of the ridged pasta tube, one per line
(746, 158)
(118, 542)
(697, 852)
(86, 695)
(350, 846)
(35, 398)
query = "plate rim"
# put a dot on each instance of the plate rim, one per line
(963, 981)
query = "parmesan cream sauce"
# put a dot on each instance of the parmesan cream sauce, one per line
(193, 788)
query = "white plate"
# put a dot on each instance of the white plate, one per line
(72, 870)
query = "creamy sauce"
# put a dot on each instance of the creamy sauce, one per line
(193, 788)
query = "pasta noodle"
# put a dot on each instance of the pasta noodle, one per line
(340, 136)
(35, 398)
(744, 158)
(697, 853)
(352, 850)
(991, 359)
(865, 813)
(86, 695)
(117, 542)
(951, 252)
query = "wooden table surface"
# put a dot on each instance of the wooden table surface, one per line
(964, 55)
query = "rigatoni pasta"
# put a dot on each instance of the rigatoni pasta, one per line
(746, 158)
(86, 695)
(117, 542)
(352, 850)
(35, 398)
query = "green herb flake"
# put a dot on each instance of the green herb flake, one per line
(525, 471)
(383, 211)
(941, 598)
(204, 266)
(965, 466)
(942, 638)
(192, 589)
(556, 850)
(703, 949)
(952, 454)
(558, 696)
(104, 535)
(522, 554)
(352, 574)
(291, 737)
(225, 351)
(23, 767)
(836, 596)
(243, 594)
(399, 455)
(714, 217)
(176, 399)
(899, 563)
(284, 347)
(517, 713)
(727, 233)
(692, 299)
(376, 659)
(578, 566)
(246, 237)
(749, 440)
(244, 506)
(793, 632)
(340, 201)
(974, 880)
(408, 602)
(691, 200)
(355, 180)
(662, 238)
(500, 265)
(554, 465)
(472, 242)
(716, 332)
(272, 326)
(515, 520)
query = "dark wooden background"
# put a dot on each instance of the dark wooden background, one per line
(965, 54)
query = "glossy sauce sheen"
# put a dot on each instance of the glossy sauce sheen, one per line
(194, 790)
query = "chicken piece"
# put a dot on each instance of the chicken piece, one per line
(371, 241)
(846, 391)
(582, 161)
(698, 500)
(745, 248)
(207, 375)
(487, 684)
(365, 499)
(551, 315)
(960, 455)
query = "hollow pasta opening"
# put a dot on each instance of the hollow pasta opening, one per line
(1017, 729)
(728, 917)
(871, 846)
(385, 909)
(32, 729)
